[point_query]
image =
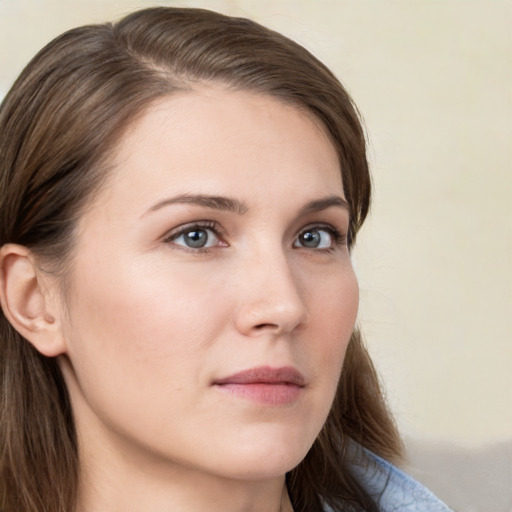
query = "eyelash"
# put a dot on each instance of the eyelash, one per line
(187, 228)
(339, 238)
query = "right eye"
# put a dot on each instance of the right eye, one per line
(196, 237)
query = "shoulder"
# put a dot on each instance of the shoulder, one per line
(394, 490)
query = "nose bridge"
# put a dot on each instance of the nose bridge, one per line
(272, 298)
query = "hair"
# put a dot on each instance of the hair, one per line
(58, 125)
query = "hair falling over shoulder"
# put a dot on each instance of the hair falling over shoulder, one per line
(64, 113)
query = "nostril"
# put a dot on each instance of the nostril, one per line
(260, 327)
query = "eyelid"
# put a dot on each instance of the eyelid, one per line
(339, 237)
(206, 225)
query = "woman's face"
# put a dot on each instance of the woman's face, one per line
(211, 294)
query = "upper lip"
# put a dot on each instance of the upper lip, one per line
(265, 375)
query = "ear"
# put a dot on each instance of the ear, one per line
(29, 300)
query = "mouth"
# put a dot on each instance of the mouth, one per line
(265, 385)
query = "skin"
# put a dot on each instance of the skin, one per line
(150, 324)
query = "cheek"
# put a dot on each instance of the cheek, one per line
(337, 310)
(135, 331)
(334, 307)
(138, 345)
(145, 304)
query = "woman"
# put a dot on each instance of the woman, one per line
(180, 192)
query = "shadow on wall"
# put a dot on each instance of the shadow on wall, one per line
(467, 480)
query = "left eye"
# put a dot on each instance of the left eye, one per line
(196, 238)
(315, 238)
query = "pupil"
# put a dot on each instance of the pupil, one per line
(311, 238)
(196, 238)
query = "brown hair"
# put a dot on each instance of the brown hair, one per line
(58, 125)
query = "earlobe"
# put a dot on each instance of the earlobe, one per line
(27, 302)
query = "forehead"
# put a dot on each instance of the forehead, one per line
(214, 137)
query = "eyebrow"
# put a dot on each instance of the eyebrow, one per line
(235, 206)
(206, 201)
(324, 203)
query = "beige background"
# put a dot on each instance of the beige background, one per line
(433, 80)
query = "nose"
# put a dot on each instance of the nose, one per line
(270, 300)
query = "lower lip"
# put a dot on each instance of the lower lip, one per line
(265, 394)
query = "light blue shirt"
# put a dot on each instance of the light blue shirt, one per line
(393, 490)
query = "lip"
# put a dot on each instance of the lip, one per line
(265, 385)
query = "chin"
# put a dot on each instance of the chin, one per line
(263, 456)
(263, 468)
